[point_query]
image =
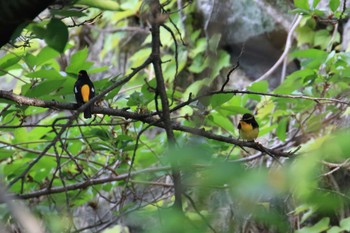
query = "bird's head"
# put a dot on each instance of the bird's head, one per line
(82, 73)
(247, 117)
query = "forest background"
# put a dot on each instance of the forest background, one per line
(161, 152)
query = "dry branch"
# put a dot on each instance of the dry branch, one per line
(149, 119)
(87, 183)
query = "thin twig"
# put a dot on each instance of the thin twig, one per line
(148, 119)
(286, 49)
(72, 118)
(198, 212)
(88, 183)
(122, 122)
(161, 90)
(88, 21)
(343, 10)
(20, 213)
(176, 61)
(228, 76)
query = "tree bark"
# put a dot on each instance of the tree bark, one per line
(16, 14)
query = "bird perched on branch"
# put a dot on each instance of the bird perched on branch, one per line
(84, 91)
(248, 127)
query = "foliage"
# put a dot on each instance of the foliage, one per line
(128, 158)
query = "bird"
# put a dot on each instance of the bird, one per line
(84, 90)
(248, 127)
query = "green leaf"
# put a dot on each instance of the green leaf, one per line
(46, 54)
(305, 35)
(334, 4)
(315, 3)
(66, 90)
(148, 90)
(15, 167)
(281, 130)
(195, 87)
(31, 110)
(30, 60)
(45, 88)
(112, 93)
(310, 53)
(83, 198)
(102, 146)
(135, 99)
(214, 42)
(339, 145)
(345, 224)
(198, 65)
(266, 129)
(9, 60)
(101, 4)
(140, 56)
(57, 35)
(46, 74)
(219, 120)
(123, 140)
(78, 62)
(322, 38)
(4, 154)
(218, 100)
(45, 164)
(335, 229)
(200, 47)
(99, 69)
(319, 227)
(261, 86)
(67, 13)
(103, 134)
(303, 4)
(145, 157)
(294, 81)
(124, 14)
(130, 4)
(222, 61)
(18, 31)
(234, 109)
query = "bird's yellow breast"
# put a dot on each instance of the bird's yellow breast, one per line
(246, 126)
(247, 132)
(85, 92)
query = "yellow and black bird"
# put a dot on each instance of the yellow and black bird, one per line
(248, 127)
(84, 91)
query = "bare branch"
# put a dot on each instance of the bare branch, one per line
(71, 119)
(198, 212)
(161, 90)
(176, 61)
(88, 183)
(147, 118)
(20, 213)
(343, 10)
(88, 21)
(286, 49)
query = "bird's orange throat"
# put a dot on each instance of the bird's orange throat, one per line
(85, 92)
(247, 132)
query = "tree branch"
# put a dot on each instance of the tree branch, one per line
(88, 183)
(286, 49)
(148, 118)
(72, 118)
(21, 214)
(156, 22)
(17, 12)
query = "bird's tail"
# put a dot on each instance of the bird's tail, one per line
(87, 112)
